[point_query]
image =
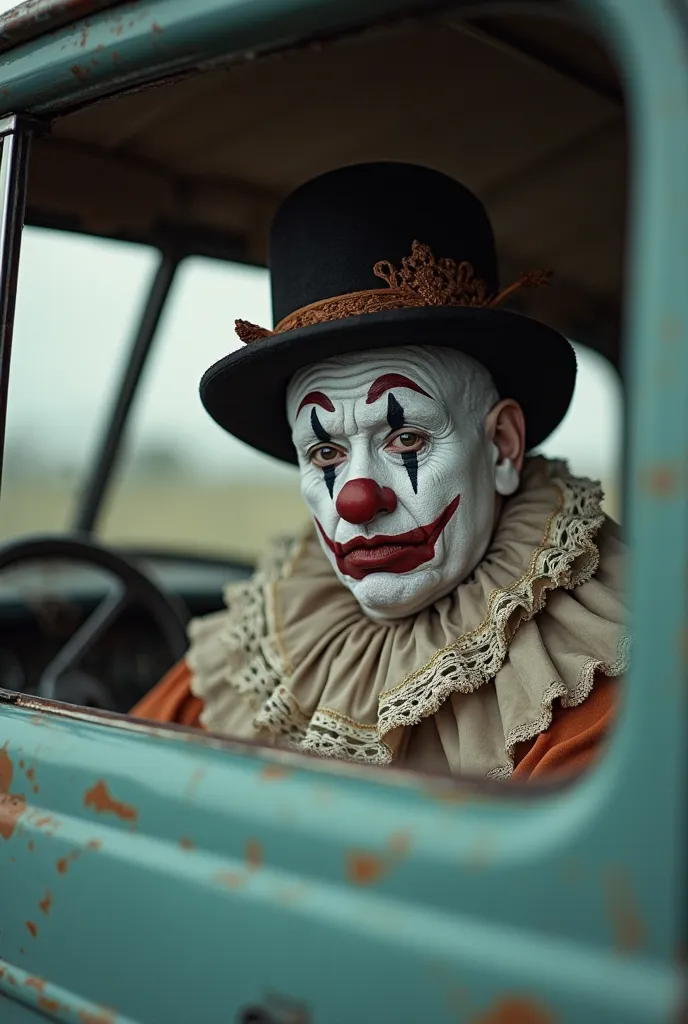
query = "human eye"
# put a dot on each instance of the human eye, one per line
(323, 455)
(405, 441)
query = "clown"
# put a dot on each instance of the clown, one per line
(455, 605)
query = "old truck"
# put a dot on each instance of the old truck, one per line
(159, 875)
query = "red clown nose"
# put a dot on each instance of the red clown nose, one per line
(359, 501)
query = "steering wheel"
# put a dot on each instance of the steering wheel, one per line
(131, 586)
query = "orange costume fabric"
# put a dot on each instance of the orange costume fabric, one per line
(567, 748)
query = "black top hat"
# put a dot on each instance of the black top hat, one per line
(380, 255)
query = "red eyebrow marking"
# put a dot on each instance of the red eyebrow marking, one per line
(392, 380)
(316, 398)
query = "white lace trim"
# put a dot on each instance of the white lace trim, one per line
(257, 666)
(569, 699)
(567, 557)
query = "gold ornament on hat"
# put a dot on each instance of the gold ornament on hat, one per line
(420, 281)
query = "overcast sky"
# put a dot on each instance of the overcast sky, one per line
(78, 301)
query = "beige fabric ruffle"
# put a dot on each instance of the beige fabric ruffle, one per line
(294, 660)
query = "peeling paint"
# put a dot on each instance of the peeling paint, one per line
(364, 868)
(516, 1010)
(64, 862)
(101, 800)
(103, 1016)
(627, 924)
(12, 805)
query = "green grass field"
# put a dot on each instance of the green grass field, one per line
(229, 520)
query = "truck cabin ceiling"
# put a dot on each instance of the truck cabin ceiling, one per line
(527, 111)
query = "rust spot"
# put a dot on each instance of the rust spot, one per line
(51, 1005)
(273, 772)
(46, 903)
(99, 798)
(21, 764)
(155, 27)
(78, 72)
(12, 805)
(30, 774)
(364, 868)
(232, 879)
(627, 924)
(33, 928)
(94, 844)
(36, 983)
(186, 843)
(661, 481)
(516, 1010)
(64, 862)
(103, 1016)
(84, 37)
(253, 854)
(35, 789)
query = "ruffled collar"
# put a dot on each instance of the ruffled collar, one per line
(293, 660)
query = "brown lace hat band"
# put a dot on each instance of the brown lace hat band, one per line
(421, 281)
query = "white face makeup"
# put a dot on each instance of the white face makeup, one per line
(397, 470)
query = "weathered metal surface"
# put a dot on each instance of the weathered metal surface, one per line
(140, 41)
(128, 854)
(244, 871)
(36, 17)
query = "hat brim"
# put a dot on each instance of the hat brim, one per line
(245, 391)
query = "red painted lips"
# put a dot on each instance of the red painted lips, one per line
(402, 552)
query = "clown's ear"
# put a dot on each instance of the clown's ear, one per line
(506, 428)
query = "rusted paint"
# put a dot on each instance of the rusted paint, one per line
(64, 862)
(51, 1005)
(34, 982)
(46, 903)
(186, 843)
(661, 480)
(12, 805)
(45, 821)
(36, 17)
(103, 1016)
(100, 799)
(627, 924)
(253, 854)
(516, 1010)
(273, 772)
(364, 868)
(32, 927)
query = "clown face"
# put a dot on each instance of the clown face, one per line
(397, 470)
